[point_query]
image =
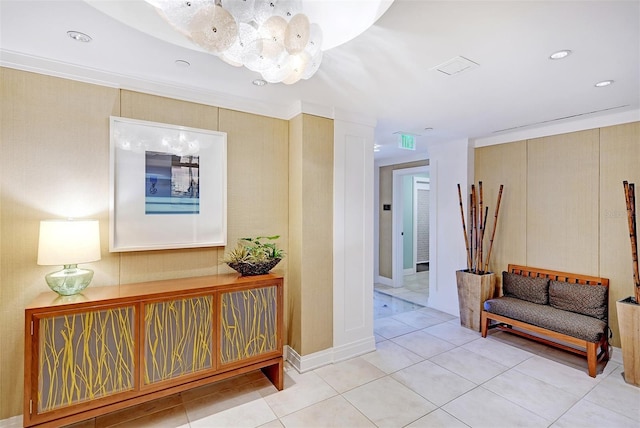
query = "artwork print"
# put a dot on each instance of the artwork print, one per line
(172, 183)
(168, 186)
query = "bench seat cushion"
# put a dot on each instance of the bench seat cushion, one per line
(545, 316)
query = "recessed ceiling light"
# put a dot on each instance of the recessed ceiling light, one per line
(259, 82)
(603, 83)
(560, 54)
(182, 63)
(78, 36)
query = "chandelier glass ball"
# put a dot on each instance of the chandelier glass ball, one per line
(271, 37)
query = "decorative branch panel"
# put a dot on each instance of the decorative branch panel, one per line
(178, 337)
(249, 324)
(85, 356)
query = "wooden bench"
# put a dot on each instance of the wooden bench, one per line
(548, 323)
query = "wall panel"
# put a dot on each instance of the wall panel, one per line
(138, 266)
(562, 202)
(54, 139)
(619, 160)
(504, 164)
(311, 229)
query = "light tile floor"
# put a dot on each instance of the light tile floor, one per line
(415, 289)
(427, 371)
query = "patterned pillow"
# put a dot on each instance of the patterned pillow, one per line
(583, 299)
(534, 290)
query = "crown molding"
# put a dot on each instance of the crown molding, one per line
(68, 71)
(560, 128)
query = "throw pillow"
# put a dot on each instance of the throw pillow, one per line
(534, 290)
(582, 299)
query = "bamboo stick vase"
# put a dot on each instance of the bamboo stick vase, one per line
(473, 290)
(629, 324)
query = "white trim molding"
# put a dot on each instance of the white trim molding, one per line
(305, 363)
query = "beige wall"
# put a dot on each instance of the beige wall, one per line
(563, 204)
(54, 141)
(311, 234)
(385, 217)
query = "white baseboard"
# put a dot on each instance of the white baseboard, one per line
(305, 363)
(354, 349)
(409, 271)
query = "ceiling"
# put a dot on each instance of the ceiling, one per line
(388, 74)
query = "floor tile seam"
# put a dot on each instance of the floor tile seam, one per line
(384, 374)
(420, 417)
(461, 375)
(610, 409)
(496, 361)
(586, 398)
(357, 410)
(575, 396)
(562, 389)
(457, 419)
(546, 419)
(475, 385)
(445, 340)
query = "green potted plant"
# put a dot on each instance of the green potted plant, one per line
(255, 256)
(629, 308)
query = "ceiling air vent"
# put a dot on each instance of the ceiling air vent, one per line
(456, 65)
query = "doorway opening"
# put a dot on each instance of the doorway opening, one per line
(410, 237)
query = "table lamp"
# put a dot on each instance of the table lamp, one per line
(67, 243)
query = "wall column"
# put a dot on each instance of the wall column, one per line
(451, 164)
(353, 239)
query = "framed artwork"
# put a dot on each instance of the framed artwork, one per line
(168, 186)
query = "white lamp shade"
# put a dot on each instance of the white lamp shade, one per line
(65, 242)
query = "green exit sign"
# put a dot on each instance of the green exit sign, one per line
(407, 142)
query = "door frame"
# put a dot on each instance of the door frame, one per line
(419, 183)
(397, 251)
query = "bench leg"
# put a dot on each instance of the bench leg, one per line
(592, 358)
(604, 345)
(484, 323)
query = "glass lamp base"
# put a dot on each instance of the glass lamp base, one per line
(70, 280)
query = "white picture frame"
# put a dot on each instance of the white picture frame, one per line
(168, 186)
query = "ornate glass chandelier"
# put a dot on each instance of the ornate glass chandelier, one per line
(271, 37)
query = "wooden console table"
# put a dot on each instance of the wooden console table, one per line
(113, 347)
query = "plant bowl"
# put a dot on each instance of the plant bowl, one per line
(251, 269)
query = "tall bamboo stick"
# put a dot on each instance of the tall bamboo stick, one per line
(481, 227)
(629, 195)
(495, 224)
(474, 228)
(464, 229)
